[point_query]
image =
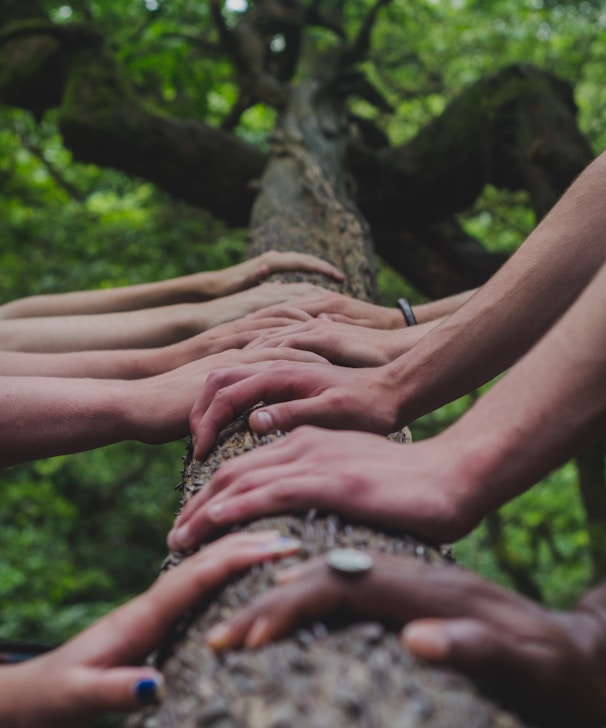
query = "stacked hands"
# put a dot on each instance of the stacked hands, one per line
(552, 665)
(541, 317)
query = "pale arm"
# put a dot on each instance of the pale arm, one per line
(184, 289)
(507, 315)
(138, 363)
(143, 328)
(434, 310)
(46, 416)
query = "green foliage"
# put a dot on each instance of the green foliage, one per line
(79, 534)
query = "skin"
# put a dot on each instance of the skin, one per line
(47, 416)
(185, 289)
(344, 309)
(140, 363)
(348, 345)
(442, 487)
(144, 328)
(550, 665)
(98, 670)
(482, 338)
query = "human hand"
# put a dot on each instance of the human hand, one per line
(252, 271)
(100, 669)
(345, 309)
(234, 334)
(548, 665)
(419, 488)
(306, 393)
(343, 344)
(215, 312)
(157, 409)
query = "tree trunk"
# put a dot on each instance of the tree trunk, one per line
(350, 675)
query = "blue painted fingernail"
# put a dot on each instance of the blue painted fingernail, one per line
(282, 545)
(149, 690)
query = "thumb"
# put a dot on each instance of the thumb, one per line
(119, 689)
(463, 642)
(288, 415)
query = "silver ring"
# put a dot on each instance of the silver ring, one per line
(349, 562)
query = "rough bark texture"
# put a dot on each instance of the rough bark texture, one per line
(325, 676)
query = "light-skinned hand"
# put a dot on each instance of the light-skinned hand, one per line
(417, 488)
(297, 393)
(100, 670)
(252, 271)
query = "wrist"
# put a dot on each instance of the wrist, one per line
(473, 476)
(393, 318)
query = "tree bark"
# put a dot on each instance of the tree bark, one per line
(354, 675)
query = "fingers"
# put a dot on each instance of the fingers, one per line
(118, 690)
(309, 595)
(294, 413)
(464, 642)
(128, 634)
(281, 311)
(274, 261)
(228, 393)
(283, 495)
(225, 394)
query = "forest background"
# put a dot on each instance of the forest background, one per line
(81, 533)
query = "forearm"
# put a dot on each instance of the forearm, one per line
(433, 310)
(123, 330)
(109, 364)
(43, 416)
(186, 289)
(537, 416)
(515, 308)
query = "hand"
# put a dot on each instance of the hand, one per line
(329, 396)
(204, 315)
(343, 344)
(250, 272)
(345, 309)
(234, 334)
(418, 488)
(548, 665)
(157, 408)
(95, 671)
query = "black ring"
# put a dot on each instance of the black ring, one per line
(406, 308)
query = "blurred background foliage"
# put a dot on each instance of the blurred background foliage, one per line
(79, 534)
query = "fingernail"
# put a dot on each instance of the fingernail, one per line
(282, 545)
(178, 538)
(215, 511)
(149, 690)
(218, 638)
(428, 642)
(264, 421)
(257, 635)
